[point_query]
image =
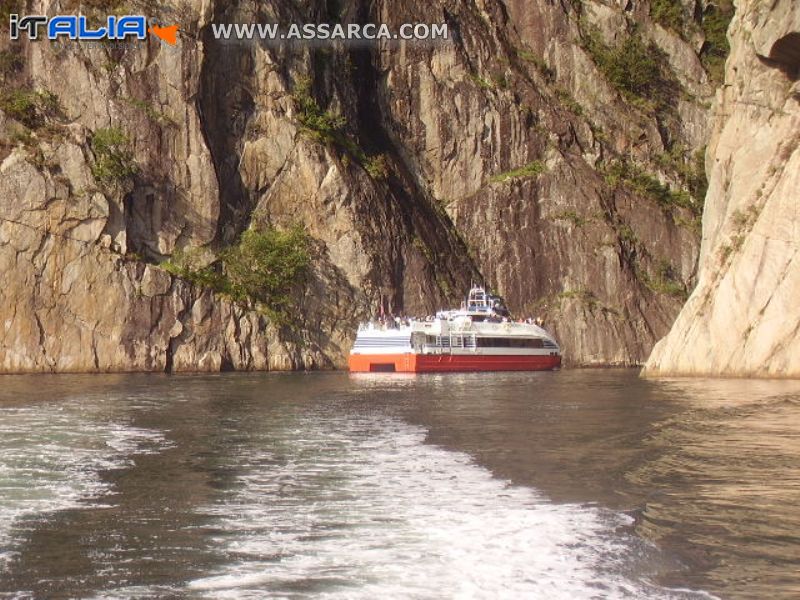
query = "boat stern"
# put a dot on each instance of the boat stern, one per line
(382, 363)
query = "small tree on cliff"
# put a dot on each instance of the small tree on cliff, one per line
(266, 266)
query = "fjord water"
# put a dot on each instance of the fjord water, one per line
(573, 484)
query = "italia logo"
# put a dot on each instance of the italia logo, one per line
(77, 28)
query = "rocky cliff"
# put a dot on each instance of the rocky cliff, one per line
(534, 150)
(743, 319)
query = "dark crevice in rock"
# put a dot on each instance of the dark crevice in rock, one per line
(421, 217)
(227, 364)
(116, 221)
(224, 106)
(785, 54)
(170, 355)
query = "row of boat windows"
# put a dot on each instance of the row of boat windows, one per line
(455, 341)
(484, 342)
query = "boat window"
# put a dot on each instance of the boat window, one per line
(497, 342)
(418, 339)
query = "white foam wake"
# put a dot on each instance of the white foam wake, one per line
(366, 509)
(51, 456)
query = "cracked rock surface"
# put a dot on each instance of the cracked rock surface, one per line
(495, 149)
(743, 317)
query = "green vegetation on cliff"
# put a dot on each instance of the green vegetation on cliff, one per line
(668, 13)
(155, 115)
(714, 24)
(377, 166)
(29, 107)
(624, 172)
(664, 280)
(691, 169)
(538, 62)
(322, 125)
(481, 82)
(265, 265)
(33, 108)
(637, 69)
(328, 128)
(656, 274)
(113, 156)
(571, 216)
(532, 169)
(568, 101)
(263, 268)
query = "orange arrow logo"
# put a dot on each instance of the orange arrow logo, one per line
(166, 34)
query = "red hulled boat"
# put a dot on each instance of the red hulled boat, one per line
(480, 336)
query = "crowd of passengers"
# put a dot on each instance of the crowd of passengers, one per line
(396, 322)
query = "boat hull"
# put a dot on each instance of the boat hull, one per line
(444, 363)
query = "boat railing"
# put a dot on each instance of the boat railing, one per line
(385, 324)
(457, 324)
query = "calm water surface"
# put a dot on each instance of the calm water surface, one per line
(576, 484)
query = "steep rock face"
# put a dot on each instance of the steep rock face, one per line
(604, 264)
(214, 135)
(148, 91)
(71, 304)
(489, 157)
(743, 318)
